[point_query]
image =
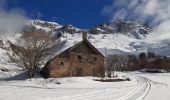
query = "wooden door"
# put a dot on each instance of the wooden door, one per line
(79, 72)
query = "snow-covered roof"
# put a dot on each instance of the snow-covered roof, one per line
(61, 49)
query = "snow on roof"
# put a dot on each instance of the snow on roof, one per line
(64, 45)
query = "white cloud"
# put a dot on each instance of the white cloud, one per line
(120, 14)
(157, 12)
(11, 21)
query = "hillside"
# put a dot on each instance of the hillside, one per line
(122, 37)
(119, 37)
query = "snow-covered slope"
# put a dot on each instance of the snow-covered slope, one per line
(117, 37)
(128, 28)
(48, 26)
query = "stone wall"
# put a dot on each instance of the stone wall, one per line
(78, 64)
(83, 59)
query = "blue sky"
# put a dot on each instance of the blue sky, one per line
(80, 13)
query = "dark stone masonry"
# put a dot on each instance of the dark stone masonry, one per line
(82, 59)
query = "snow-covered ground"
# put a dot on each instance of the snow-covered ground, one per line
(143, 86)
(159, 86)
(121, 44)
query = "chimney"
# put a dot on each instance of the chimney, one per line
(84, 35)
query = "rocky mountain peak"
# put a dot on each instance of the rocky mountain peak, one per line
(132, 29)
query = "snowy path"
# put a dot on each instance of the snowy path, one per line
(141, 92)
(141, 87)
(159, 86)
(138, 91)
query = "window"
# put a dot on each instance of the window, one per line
(94, 58)
(79, 57)
(62, 63)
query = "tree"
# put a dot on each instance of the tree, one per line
(30, 50)
(122, 62)
(115, 63)
(142, 55)
(109, 66)
(133, 63)
(143, 60)
(151, 54)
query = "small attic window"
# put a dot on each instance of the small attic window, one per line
(62, 63)
(95, 58)
(79, 57)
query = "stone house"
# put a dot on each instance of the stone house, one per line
(82, 59)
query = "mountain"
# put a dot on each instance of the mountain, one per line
(132, 29)
(117, 37)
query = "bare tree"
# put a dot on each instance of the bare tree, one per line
(143, 60)
(122, 62)
(133, 63)
(112, 63)
(109, 64)
(115, 63)
(30, 51)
